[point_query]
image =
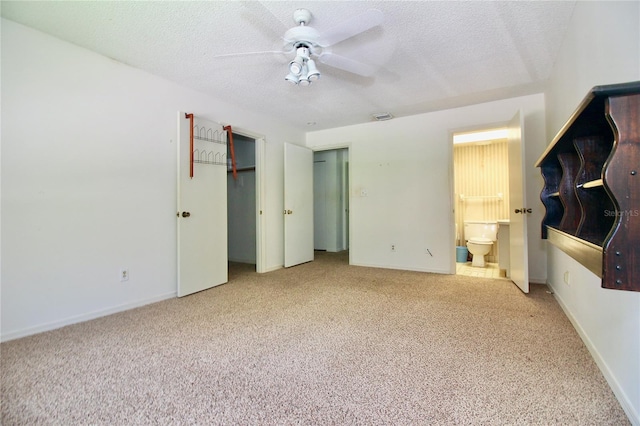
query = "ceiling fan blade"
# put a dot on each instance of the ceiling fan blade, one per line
(264, 20)
(346, 64)
(351, 27)
(262, 52)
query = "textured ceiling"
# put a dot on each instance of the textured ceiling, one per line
(427, 55)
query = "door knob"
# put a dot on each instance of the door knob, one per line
(186, 214)
(518, 211)
(289, 212)
(523, 210)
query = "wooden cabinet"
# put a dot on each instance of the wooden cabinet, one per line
(591, 193)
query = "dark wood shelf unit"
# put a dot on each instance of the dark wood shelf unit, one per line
(550, 196)
(571, 217)
(591, 193)
(594, 201)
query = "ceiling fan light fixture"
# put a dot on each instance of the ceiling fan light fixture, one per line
(303, 52)
(304, 78)
(292, 78)
(295, 66)
(313, 74)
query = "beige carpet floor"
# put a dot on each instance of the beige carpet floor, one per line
(322, 343)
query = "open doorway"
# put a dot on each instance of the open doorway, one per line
(481, 202)
(241, 203)
(331, 201)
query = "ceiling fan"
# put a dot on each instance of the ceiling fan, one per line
(308, 45)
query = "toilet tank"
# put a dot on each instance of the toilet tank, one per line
(481, 230)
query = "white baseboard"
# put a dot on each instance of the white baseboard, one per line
(272, 268)
(622, 397)
(534, 280)
(83, 317)
(405, 268)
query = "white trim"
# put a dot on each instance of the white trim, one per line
(452, 205)
(84, 317)
(330, 147)
(273, 268)
(405, 268)
(246, 133)
(261, 229)
(622, 397)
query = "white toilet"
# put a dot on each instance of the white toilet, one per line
(480, 237)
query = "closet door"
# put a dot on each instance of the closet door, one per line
(202, 207)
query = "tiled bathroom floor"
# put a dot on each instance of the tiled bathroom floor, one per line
(490, 271)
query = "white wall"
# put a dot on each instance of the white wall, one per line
(89, 181)
(602, 46)
(401, 184)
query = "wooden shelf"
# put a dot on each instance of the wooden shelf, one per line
(591, 192)
(592, 184)
(588, 254)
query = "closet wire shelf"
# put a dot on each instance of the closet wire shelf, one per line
(209, 157)
(204, 156)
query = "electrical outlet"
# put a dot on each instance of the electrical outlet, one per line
(393, 247)
(124, 274)
(566, 278)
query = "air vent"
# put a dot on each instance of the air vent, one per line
(382, 116)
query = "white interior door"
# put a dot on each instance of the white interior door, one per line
(202, 207)
(298, 205)
(518, 253)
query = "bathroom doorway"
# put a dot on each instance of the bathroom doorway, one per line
(481, 201)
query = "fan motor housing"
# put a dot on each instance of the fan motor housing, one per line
(301, 35)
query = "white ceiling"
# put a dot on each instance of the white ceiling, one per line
(428, 55)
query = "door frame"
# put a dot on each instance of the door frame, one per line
(261, 238)
(336, 147)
